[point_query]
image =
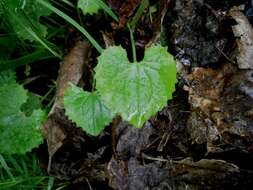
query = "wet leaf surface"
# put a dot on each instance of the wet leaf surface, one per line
(87, 110)
(141, 88)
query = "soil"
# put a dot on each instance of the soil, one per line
(202, 139)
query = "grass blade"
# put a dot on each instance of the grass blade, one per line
(50, 183)
(30, 58)
(15, 164)
(74, 23)
(36, 37)
(6, 167)
(107, 9)
(68, 3)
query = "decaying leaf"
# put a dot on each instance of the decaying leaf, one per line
(221, 102)
(244, 33)
(71, 71)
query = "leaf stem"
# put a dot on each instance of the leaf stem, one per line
(132, 43)
(93, 82)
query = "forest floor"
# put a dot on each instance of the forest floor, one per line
(202, 139)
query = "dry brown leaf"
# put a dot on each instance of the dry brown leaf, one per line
(71, 71)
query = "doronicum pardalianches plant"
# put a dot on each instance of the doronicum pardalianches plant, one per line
(135, 91)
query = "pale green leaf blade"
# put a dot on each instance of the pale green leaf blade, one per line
(167, 67)
(18, 133)
(136, 91)
(88, 6)
(86, 110)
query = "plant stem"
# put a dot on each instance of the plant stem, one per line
(93, 82)
(132, 43)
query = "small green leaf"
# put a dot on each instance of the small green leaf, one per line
(88, 6)
(136, 91)
(86, 110)
(18, 133)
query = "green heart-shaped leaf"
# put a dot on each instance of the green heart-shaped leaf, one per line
(136, 91)
(86, 110)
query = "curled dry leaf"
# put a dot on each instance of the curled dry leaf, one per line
(71, 71)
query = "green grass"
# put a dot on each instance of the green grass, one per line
(24, 60)
(73, 22)
(22, 172)
(107, 9)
